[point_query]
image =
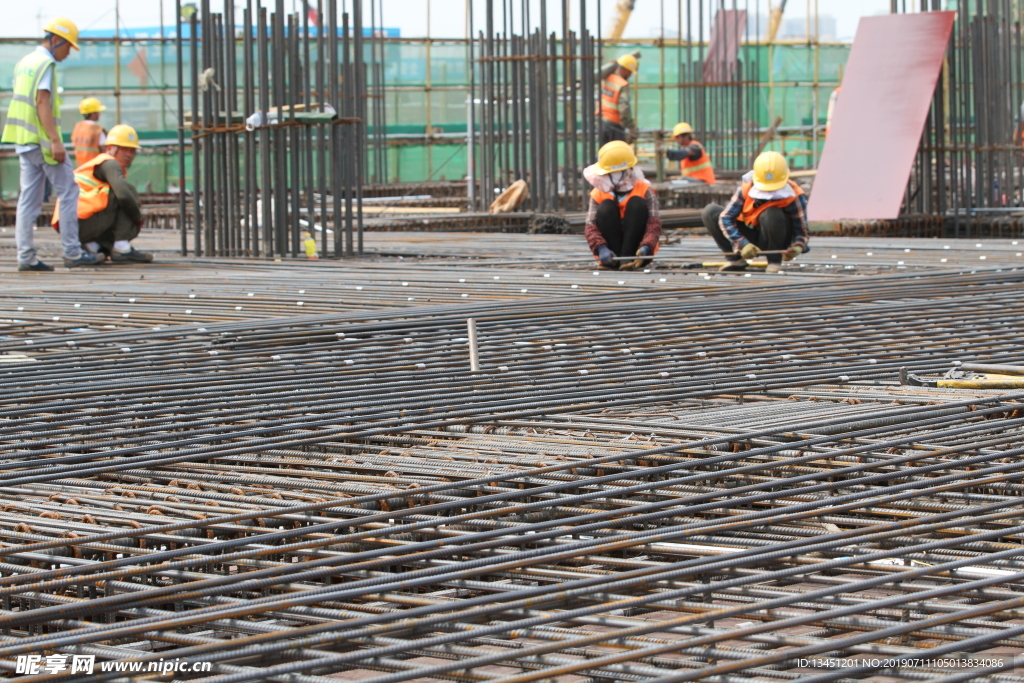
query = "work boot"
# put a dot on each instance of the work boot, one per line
(38, 267)
(133, 256)
(85, 259)
(733, 265)
(773, 268)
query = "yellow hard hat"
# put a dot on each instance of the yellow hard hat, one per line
(90, 105)
(629, 62)
(682, 129)
(615, 156)
(123, 136)
(65, 28)
(771, 172)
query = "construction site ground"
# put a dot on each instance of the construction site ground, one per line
(287, 467)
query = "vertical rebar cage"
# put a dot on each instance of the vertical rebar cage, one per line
(531, 100)
(285, 154)
(968, 168)
(534, 93)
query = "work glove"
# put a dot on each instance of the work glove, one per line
(643, 253)
(749, 251)
(792, 252)
(606, 255)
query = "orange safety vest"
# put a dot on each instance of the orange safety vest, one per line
(639, 190)
(751, 215)
(86, 139)
(832, 99)
(93, 194)
(611, 91)
(700, 169)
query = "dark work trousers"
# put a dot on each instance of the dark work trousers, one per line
(773, 231)
(612, 131)
(108, 226)
(623, 234)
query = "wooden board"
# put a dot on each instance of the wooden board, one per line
(879, 117)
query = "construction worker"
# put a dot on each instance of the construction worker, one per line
(33, 126)
(623, 218)
(88, 136)
(768, 212)
(832, 99)
(694, 162)
(616, 114)
(109, 213)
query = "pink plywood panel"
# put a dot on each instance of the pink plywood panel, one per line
(879, 117)
(724, 46)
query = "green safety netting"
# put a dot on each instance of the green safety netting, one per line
(414, 101)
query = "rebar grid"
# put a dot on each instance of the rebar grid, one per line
(653, 484)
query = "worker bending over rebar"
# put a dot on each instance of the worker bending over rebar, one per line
(694, 162)
(109, 211)
(617, 121)
(767, 213)
(623, 219)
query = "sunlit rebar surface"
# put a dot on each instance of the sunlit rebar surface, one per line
(292, 473)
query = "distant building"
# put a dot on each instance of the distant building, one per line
(793, 28)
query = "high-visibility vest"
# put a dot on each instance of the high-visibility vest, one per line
(832, 99)
(93, 193)
(611, 91)
(86, 139)
(639, 190)
(700, 169)
(751, 215)
(23, 126)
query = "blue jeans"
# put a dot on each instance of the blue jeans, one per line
(34, 174)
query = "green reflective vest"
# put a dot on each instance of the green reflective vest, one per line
(23, 126)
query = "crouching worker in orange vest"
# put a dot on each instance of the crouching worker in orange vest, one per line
(768, 212)
(623, 218)
(109, 213)
(694, 162)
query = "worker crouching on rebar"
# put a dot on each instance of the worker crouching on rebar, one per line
(623, 219)
(768, 213)
(109, 212)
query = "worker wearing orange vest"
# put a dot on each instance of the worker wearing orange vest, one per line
(623, 218)
(694, 162)
(832, 100)
(616, 114)
(768, 212)
(88, 136)
(109, 212)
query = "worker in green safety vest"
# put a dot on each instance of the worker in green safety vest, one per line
(33, 126)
